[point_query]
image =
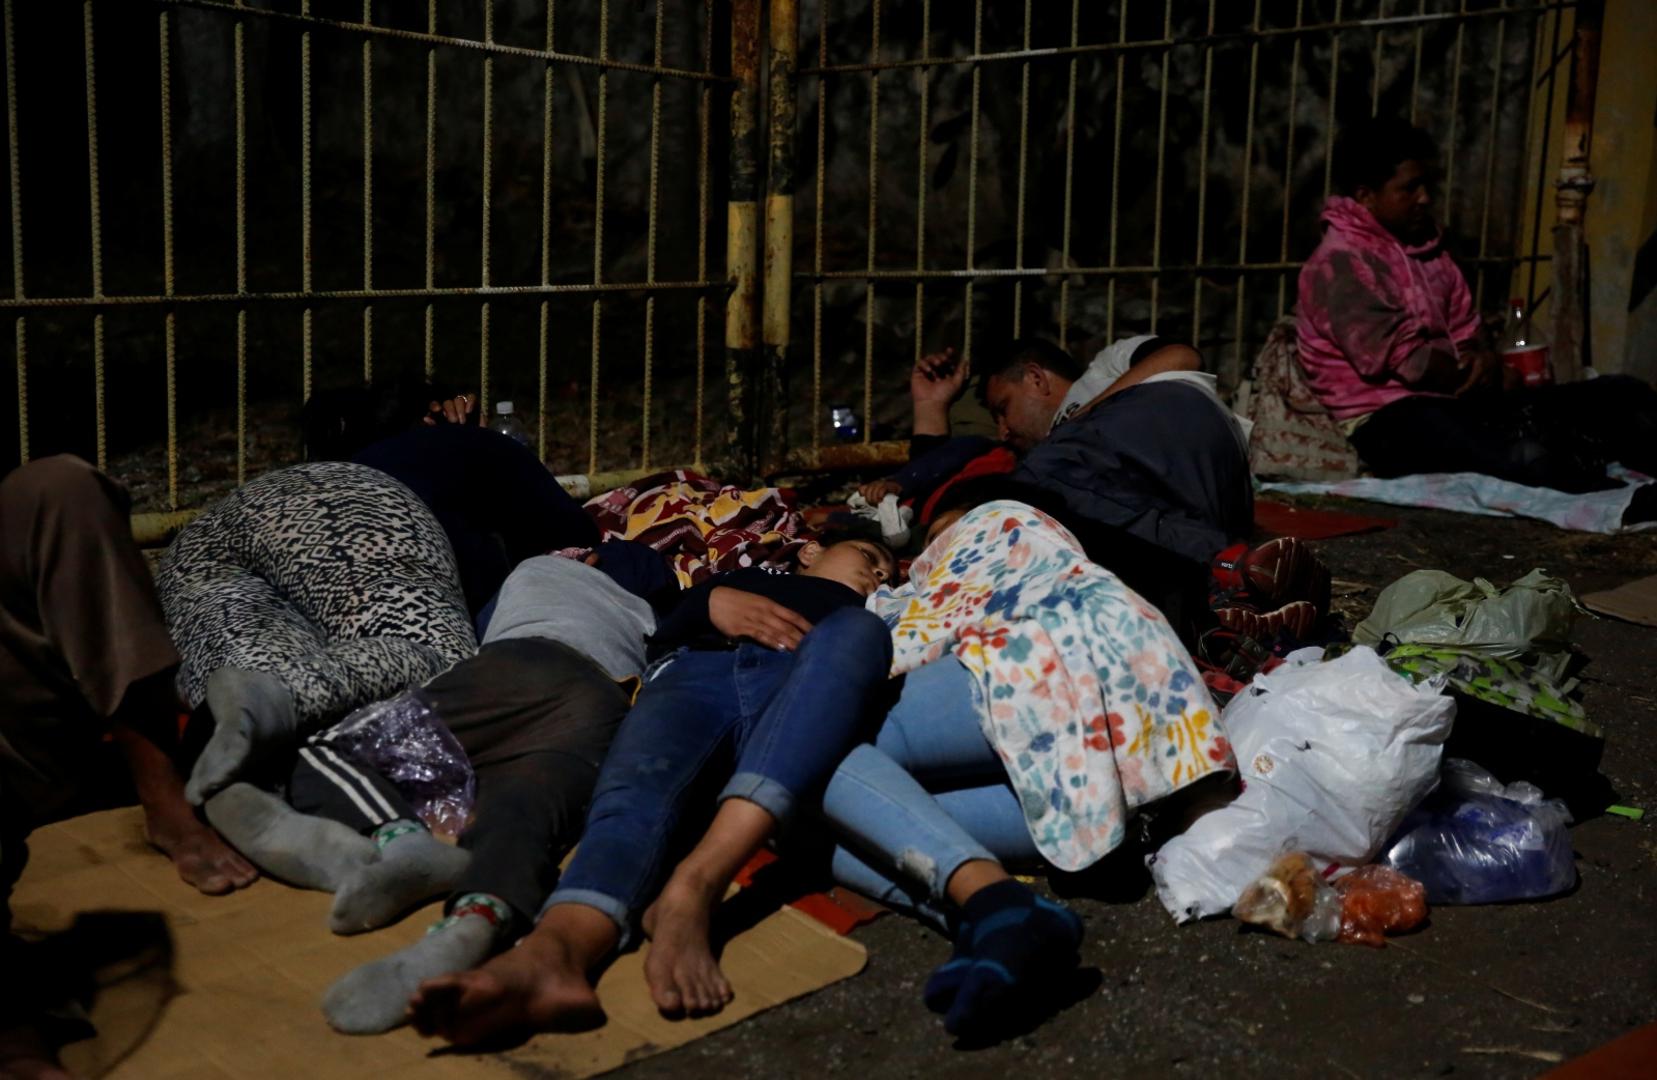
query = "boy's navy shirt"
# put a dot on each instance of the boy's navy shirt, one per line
(813, 598)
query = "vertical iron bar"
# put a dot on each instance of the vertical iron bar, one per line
(541, 422)
(1576, 182)
(923, 86)
(431, 188)
(703, 116)
(972, 180)
(1069, 177)
(1490, 156)
(305, 198)
(598, 230)
(1202, 184)
(16, 191)
(1239, 357)
(1542, 150)
(241, 245)
(367, 192)
(650, 236)
(1329, 120)
(1375, 63)
(817, 228)
(1023, 171)
(1161, 158)
(97, 234)
(874, 199)
(1115, 176)
(1415, 73)
(1289, 162)
(168, 280)
(488, 183)
(1455, 120)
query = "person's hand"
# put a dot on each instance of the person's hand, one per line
(939, 378)
(739, 614)
(876, 490)
(1483, 369)
(452, 411)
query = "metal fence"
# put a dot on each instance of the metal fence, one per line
(967, 171)
(1197, 134)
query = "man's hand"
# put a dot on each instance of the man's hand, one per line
(1483, 369)
(452, 411)
(876, 490)
(939, 378)
(739, 614)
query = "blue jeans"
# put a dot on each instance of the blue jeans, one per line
(774, 723)
(929, 795)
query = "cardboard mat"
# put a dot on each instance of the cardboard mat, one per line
(237, 997)
(1636, 601)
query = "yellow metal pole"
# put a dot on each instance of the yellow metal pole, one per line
(1289, 162)
(816, 418)
(1115, 176)
(1239, 356)
(704, 128)
(972, 180)
(431, 190)
(779, 216)
(741, 225)
(1202, 183)
(1023, 171)
(1069, 178)
(1575, 184)
(1161, 157)
(923, 87)
(305, 198)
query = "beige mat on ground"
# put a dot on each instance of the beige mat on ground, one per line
(248, 970)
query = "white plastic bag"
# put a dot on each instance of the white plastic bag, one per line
(1332, 755)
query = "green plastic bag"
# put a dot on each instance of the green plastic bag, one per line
(1530, 620)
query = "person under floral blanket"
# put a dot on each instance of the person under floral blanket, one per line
(1044, 704)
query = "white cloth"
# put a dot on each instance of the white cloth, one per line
(1113, 361)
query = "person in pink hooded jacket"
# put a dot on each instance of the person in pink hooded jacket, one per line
(1394, 348)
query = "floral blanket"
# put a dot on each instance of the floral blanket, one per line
(1092, 703)
(702, 526)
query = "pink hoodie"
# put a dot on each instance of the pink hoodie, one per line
(1368, 307)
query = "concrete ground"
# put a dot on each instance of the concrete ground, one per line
(1499, 991)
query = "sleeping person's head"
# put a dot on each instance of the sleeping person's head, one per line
(860, 564)
(962, 498)
(1023, 387)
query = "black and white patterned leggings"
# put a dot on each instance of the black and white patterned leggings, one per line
(331, 576)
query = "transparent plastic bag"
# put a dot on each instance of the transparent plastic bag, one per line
(404, 740)
(1378, 900)
(1292, 899)
(1476, 841)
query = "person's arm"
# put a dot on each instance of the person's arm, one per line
(934, 384)
(1163, 357)
(1376, 333)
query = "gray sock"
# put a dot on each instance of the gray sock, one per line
(375, 997)
(413, 867)
(253, 714)
(311, 852)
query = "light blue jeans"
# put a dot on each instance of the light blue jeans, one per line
(927, 796)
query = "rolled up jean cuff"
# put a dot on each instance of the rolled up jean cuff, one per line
(763, 792)
(602, 902)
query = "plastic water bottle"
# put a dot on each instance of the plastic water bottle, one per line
(845, 422)
(507, 424)
(1523, 346)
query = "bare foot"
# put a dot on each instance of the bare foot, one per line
(536, 986)
(201, 856)
(24, 1056)
(683, 976)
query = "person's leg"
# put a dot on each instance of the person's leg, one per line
(788, 751)
(948, 851)
(535, 717)
(84, 651)
(680, 727)
(1482, 435)
(1617, 412)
